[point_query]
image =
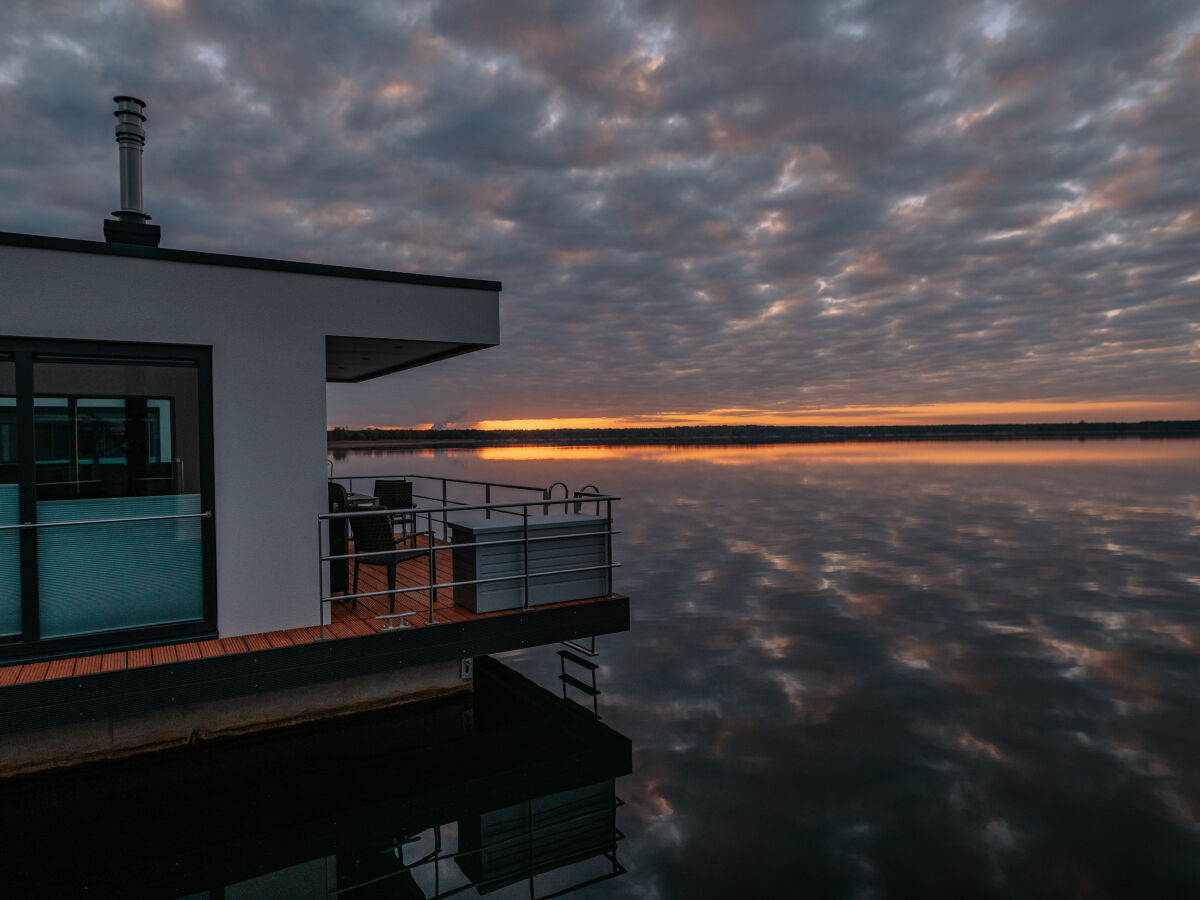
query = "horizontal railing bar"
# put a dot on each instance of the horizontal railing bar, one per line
(461, 503)
(514, 487)
(542, 861)
(417, 496)
(199, 515)
(439, 547)
(428, 510)
(450, 584)
(412, 553)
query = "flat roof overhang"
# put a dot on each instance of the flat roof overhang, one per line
(351, 359)
(348, 359)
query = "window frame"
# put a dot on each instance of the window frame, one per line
(24, 352)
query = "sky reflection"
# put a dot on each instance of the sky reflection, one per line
(970, 453)
(889, 672)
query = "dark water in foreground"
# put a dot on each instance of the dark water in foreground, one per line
(874, 670)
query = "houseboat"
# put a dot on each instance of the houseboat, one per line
(176, 562)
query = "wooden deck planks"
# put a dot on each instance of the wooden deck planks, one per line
(299, 635)
(209, 649)
(233, 645)
(87, 665)
(33, 672)
(188, 651)
(412, 573)
(60, 668)
(359, 627)
(256, 642)
(339, 630)
(163, 654)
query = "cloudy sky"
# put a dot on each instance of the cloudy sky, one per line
(932, 210)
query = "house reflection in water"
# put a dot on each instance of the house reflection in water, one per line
(486, 789)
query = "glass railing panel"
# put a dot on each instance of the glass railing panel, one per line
(95, 578)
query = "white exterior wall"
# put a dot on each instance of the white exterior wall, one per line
(267, 332)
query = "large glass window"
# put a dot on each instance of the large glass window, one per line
(118, 479)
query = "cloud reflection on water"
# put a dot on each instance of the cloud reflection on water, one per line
(884, 672)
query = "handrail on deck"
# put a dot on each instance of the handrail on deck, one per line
(411, 476)
(423, 510)
(440, 514)
(27, 525)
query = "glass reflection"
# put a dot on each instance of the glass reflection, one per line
(968, 453)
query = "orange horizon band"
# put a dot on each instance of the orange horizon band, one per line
(988, 413)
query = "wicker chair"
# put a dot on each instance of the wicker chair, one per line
(373, 534)
(397, 495)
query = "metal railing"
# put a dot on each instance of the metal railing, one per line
(439, 516)
(31, 525)
(543, 846)
(441, 487)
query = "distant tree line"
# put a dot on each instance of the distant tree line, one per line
(763, 434)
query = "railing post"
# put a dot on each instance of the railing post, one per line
(608, 528)
(320, 583)
(487, 498)
(525, 549)
(445, 503)
(432, 580)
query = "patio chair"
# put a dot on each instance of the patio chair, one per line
(395, 494)
(339, 578)
(373, 534)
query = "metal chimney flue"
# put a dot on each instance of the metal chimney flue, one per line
(131, 225)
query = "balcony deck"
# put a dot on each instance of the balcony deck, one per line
(113, 686)
(346, 622)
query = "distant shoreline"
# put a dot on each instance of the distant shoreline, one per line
(743, 435)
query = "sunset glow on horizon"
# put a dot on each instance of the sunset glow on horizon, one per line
(1016, 412)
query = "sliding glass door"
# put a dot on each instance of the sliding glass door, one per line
(113, 477)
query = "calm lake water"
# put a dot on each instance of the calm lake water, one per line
(895, 670)
(961, 670)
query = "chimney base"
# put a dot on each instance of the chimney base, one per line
(131, 233)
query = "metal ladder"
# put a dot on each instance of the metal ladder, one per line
(568, 680)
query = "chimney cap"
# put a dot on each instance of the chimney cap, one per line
(132, 222)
